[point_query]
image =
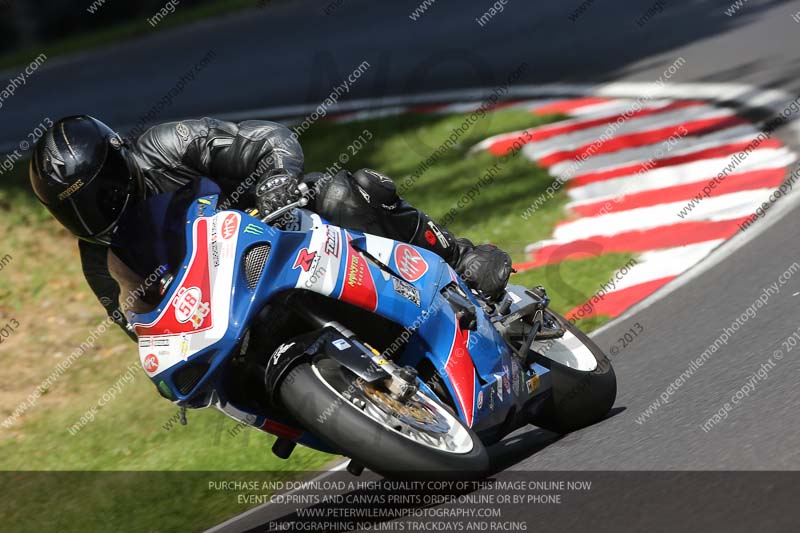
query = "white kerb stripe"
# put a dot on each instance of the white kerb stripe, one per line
(612, 130)
(696, 171)
(724, 207)
(687, 145)
(664, 263)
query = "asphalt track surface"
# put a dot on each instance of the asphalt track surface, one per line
(292, 53)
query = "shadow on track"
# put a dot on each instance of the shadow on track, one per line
(378, 500)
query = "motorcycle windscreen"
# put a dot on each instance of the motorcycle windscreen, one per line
(151, 239)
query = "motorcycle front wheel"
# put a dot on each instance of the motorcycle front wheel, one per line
(416, 438)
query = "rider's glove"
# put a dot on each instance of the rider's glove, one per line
(276, 191)
(484, 267)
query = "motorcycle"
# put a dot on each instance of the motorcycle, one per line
(351, 343)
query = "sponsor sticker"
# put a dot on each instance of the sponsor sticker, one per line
(356, 271)
(358, 286)
(189, 305)
(282, 349)
(410, 264)
(480, 400)
(533, 384)
(306, 260)
(229, 226)
(406, 290)
(215, 253)
(214, 243)
(499, 386)
(332, 242)
(341, 344)
(515, 377)
(150, 363)
(164, 283)
(184, 345)
(253, 229)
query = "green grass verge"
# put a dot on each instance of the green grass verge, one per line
(135, 502)
(399, 146)
(43, 289)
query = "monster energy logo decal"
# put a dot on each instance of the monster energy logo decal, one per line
(254, 230)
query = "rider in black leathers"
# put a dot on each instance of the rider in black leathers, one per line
(86, 175)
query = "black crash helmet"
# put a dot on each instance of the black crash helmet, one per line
(83, 174)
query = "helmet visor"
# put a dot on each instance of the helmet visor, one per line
(92, 212)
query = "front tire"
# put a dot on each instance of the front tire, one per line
(581, 395)
(331, 402)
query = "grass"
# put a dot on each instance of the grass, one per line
(122, 31)
(400, 144)
(127, 501)
(43, 289)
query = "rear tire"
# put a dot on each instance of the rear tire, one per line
(579, 398)
(322, 406)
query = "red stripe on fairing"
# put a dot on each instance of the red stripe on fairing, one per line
(501, 146)
(632, 140)
(708, 153)
(679, 234)
(280, 430)
(358, 287)
(756, 179)
(461, 371)
(571, 104)
(615, 303)
(197, 275)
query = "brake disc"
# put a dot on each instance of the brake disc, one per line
(411, 412)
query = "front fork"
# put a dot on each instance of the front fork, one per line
(401, 382)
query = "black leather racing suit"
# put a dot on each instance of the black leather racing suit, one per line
(237, 156)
